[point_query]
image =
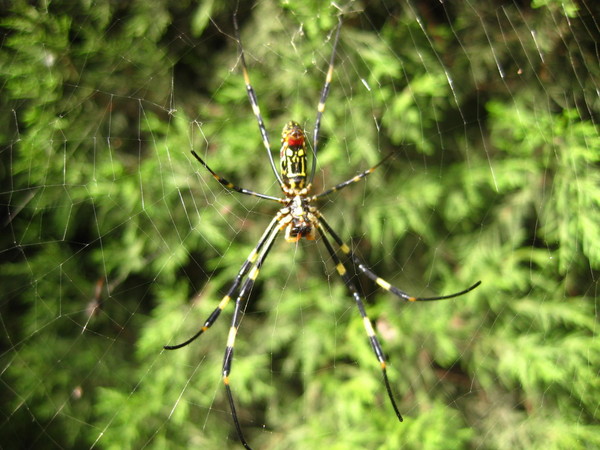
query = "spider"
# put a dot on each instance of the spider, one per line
(300, 219)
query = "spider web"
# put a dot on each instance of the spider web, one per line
(117, 242)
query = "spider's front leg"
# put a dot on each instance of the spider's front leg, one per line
(325, 229)
(235, 324)
(380, 281)
(234, 287)
(375, 345)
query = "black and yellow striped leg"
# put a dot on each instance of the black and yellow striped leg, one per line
(235, 323)
(232, 186)
(323, 99)
(234, 287)
(254, 103)
(376, 346)
(351, 180)
(380, 281)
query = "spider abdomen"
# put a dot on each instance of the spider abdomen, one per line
(293, 156)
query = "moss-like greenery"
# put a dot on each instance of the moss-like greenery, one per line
(116, 241)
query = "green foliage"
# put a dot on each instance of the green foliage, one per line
(116, 242)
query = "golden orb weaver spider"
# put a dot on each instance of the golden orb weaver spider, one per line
(300, 219)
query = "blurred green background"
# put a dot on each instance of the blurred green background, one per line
(115, 241)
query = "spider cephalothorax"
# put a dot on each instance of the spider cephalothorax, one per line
(300, 219)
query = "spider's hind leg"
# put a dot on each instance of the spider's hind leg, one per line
(231, 186)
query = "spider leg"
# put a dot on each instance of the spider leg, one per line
(375, 345)
(351, 180)
(323, 99)
(234, 287)
(235, 323)
(254, 102)
(380, 281)
(232, 186)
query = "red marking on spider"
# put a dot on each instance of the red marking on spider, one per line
(295, 141)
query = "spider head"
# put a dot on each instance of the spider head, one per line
(300, 220)
(293, 156)
(298, 231)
